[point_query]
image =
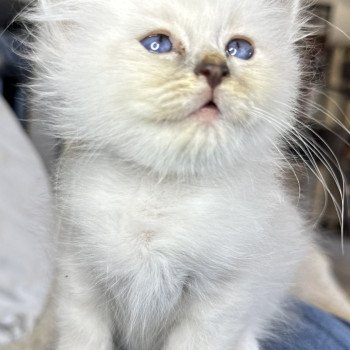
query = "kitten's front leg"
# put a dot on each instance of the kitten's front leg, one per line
(187, 337)
(248, 342)
(224, 319)
(81, 322)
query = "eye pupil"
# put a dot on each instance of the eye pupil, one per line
(240, 48)
(158, 43)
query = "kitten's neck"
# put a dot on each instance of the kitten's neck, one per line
(253, 169)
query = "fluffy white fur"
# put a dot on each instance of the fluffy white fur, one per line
(175, 233)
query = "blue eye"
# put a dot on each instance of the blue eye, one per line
(158, 43)
(240, 48)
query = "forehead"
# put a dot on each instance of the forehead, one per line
(196, 23)
(197, 8)
(199, 15)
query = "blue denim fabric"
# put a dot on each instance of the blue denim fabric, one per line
(314, 330)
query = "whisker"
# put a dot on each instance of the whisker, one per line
(309, 146)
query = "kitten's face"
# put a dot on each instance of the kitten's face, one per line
(183, 100)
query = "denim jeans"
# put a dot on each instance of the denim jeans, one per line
(313, 330)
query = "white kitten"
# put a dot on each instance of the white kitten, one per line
(175, 231)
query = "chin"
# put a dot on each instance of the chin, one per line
(203, 144)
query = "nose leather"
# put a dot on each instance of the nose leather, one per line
(213, 69)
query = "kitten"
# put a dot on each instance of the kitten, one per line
(175, 231)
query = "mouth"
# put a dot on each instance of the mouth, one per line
(210, 104)
(207, 113)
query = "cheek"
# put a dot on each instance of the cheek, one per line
(256, 87)
(160, 93)
(171, 100)
(235, 98)
(153, 87)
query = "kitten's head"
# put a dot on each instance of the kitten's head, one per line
(180, 86)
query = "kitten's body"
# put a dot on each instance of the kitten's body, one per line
(175, 231)
(153, 260)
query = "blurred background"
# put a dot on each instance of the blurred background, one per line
(325, 110)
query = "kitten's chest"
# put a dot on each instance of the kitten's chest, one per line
(132, 221)
(159, 218)
(139, 219)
